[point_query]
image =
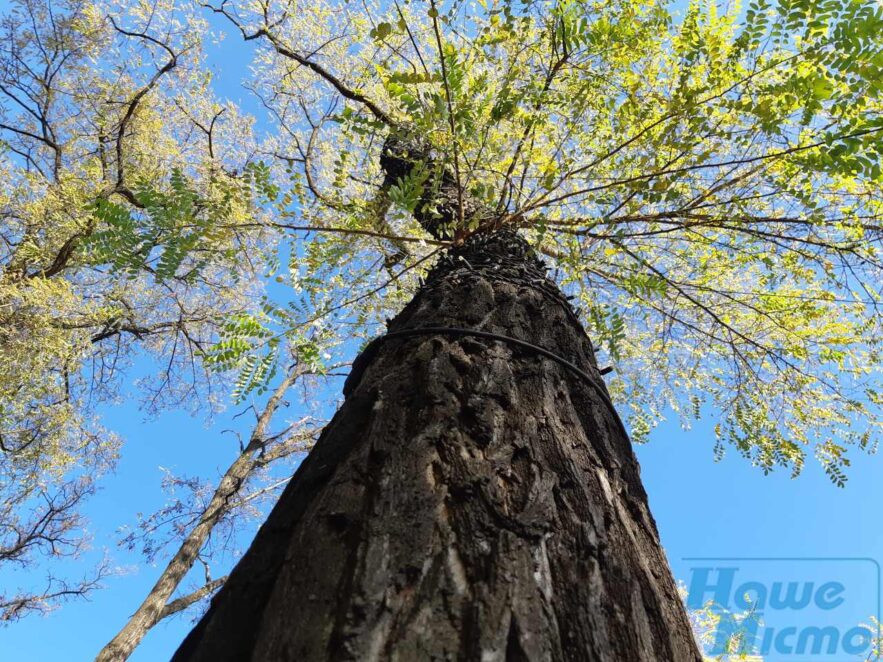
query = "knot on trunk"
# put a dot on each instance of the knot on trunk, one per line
(401, 153)
(438, 208)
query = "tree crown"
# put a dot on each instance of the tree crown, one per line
(708, 187)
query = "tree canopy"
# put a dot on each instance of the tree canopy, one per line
(704, 180)
(708, 187)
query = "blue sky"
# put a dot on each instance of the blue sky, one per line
(704, 509)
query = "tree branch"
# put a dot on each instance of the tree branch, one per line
(185, 601)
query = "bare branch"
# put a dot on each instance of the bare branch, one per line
(182, 603)
(57, 591)
(342, 88)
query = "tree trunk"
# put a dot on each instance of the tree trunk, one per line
(473, 499)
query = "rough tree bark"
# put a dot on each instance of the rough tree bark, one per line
(472, 499)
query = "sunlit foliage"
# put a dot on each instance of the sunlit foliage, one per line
(708, 184)
(123, 230)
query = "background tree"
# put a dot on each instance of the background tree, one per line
(205, 512)
(117, 165)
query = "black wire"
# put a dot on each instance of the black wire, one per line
(432, 330)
